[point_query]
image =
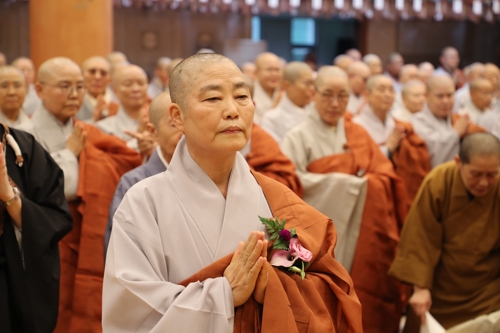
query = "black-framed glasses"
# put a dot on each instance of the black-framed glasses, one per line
(67, 89)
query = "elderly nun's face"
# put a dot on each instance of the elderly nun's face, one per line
(219, 109)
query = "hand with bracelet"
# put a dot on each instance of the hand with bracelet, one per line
(8, 194)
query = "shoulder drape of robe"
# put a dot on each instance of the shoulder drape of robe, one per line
(31, 293)
(382, 297)
(450, 245)
(473, 128)
(101, 164)
(412, 161)
(324, 302)
(266, 157)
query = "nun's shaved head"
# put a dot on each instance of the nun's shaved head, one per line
(187, 70)
(294, 70)
(327, 72)
(159, 107)
(49, 69)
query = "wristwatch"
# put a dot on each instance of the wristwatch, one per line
(17, 194)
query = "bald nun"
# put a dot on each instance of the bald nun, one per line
(174, 262)
(358, 73)
(268, 76)
(440, 130)
(167, 136)
(413, 100)
(479, 105)
(462, 95)
(451, 239)
(92, 163)
(298, 86)
(31, 101)
(12, 95)
(373, 61)
(97, 102)
(346, 177)
(160, 80)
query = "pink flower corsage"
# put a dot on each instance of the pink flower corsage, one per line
(291, 254)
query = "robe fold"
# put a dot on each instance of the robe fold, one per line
(173, 237)
(450, 244)
(29, 282)
(411, 161)
(102, 162)
(266, 157)
(324, 302)
(381, 296)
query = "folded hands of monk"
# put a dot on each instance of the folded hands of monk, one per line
(395, 138)
(421, 302)
(245, 273)
(77, 139)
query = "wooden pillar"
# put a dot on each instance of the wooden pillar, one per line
(77, 29)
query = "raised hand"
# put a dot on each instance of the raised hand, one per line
(97, 114)
(77, 139)
(461, 126)
(245, 267)
(145, 142)
(7, 193)
(395, 138)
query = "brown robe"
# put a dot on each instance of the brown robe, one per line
(324, 302)
(382, 297)
(101, 164)
(411, 161)
(266, 157)
(450, 244)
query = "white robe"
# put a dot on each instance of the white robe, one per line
(167, 228)
(473, 112)
(402, 114)
(462, 97)
(378, 130)
(53, 135)
(31, 101)
(283, 118)
(355, 103)
(155, 87)
(263, 103)
(339, 196)
(22, 118)
(443, 142)
(117, 124)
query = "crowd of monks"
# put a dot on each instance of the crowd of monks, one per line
(381, 149)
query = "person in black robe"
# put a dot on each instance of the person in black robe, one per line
(30, 228)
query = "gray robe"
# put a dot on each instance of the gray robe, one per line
(167, 228)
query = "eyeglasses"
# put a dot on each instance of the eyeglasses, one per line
(341, 98)
(67, 89)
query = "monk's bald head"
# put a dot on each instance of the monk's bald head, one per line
(343, 61)
(358, 73)
(408, 72)
(159, 108)
(51, 68)
(116, 57)
(439, 81)
(266, 58)
(96, 61)
(185, 73)
(479, 144)
(294, 70)
(329, 73)
(122, 73)
(11, 70)
(478, 162)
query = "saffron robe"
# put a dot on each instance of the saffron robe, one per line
(450, 245)
(102, 162)
(441, 139)
(176, 224)
(381, 296)
(411, 160)
(266, 157)
(285, 116)
(29, 279)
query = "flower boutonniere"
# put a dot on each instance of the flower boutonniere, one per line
(290, 254)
